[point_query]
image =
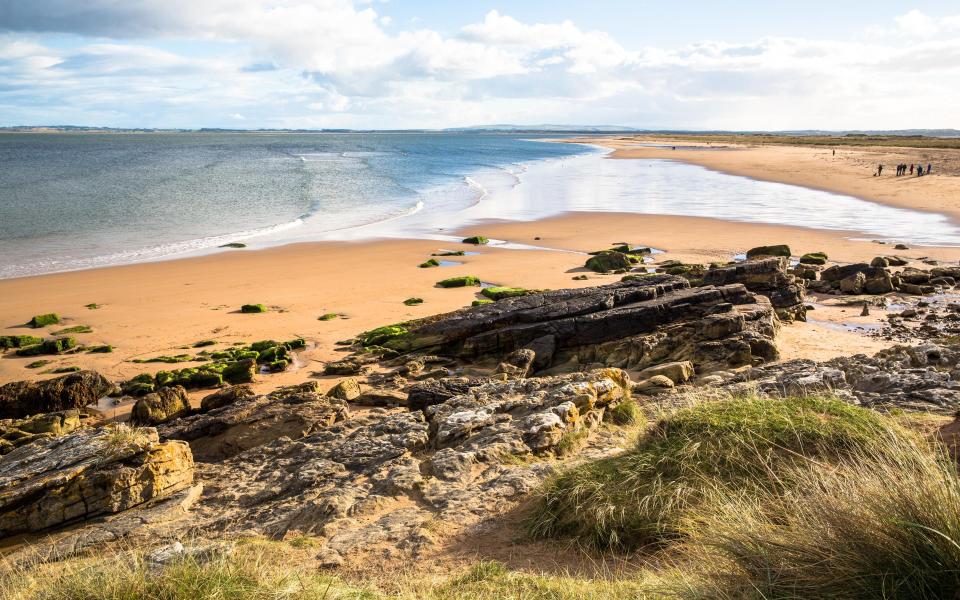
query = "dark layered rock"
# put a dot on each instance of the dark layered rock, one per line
(252, 420)
(91, 472)
(630, 324)
(24, 398)
(767, 276)
(18, 432)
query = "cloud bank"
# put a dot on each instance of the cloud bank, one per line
(337, 63)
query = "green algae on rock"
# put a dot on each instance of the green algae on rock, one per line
(39, 321)
(463, 281)
(476, 240)
(328, 317)
(74, 329)
(498, 293)
(776, 250)
(413, 301)
(253, 308)
(430, 263)
(607, 260)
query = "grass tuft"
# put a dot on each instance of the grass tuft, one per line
(640, 497)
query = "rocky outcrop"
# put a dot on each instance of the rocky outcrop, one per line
(225, 397)
(925, 378)
(24, 398)
(635, 323)
(158, 407)
(876, 278)
(385, 476)
(17, 432)
(90, 472)
(769, 277)
(254, 420)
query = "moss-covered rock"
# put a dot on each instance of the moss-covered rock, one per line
(776, 250)
(74, 329)
(382, 336)
(39, 363)
(477, 240)
(179, 358)
(328, 317)
(18, 341)
(413, 301)
(241, 371)
(430, 263)
(102, 349)
(55, 346)
(606, 261)
(253, 308)
(296, 344)
(481, 302)
(204, 343)
(70, 369)
(92, 306)
(463, 281)
(814, 258)
(498, 293)
(44, 320)
(450, 253)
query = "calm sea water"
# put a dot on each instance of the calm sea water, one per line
(74, 201)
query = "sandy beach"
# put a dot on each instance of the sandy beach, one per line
(843, 169)
(163, 308)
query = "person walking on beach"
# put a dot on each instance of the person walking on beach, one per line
(879, 170)
(919, 170)
(928, 168)
(911, 168)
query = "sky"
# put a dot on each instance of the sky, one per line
(376, 64)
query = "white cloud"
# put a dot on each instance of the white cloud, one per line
(303, 63)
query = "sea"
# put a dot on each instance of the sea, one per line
(75, 201)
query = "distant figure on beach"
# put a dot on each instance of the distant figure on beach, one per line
(911, 169)
(879, 170)
(928, 168)
(919, 170)
(899, 170)
(834, 152)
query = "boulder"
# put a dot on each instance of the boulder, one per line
(517, 364)
(225, 397)
(877, 281)
(158, 407)
(657, 384)
(346, 390)
(838, 272)
(853, 284)
(24, 398)
(87, 473)
(814, 258)
(677, 372)
(381, 397)
(777, 250)
(608, 260)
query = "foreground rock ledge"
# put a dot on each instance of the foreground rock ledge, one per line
(88, 473)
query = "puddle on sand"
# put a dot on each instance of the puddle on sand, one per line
(449, 263)
(110, 408)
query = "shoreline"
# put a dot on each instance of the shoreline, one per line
(848, 172)
(160, 308)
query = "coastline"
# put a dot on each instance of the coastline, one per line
(849, 172)
(159, 308)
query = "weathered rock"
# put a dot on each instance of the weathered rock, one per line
(838, 272)
(777, 250)
(76, 390)
(630, 324)
(164, 405)
(877, 281)
(853, 284)
(255, 420)
(428, 393)
(651, 386)
(17, 432)
(914, 276)
(924, 378)
(346, 390)
(382, 397)
(344, 367)
(767, 276)
(607, 261)
(88, 473)
(517, 364)
(677, 372)
(225, 397)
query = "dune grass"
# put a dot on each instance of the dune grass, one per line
(875, 525)
(640, 497)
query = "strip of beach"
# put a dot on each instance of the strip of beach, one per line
(165, 308)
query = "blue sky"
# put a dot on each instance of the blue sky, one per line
(374, 64)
